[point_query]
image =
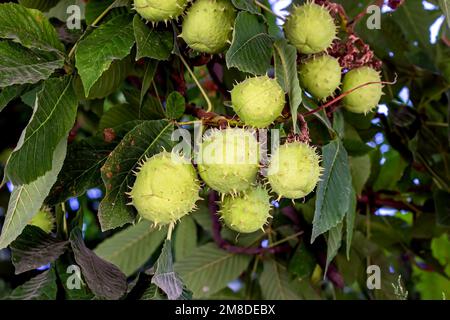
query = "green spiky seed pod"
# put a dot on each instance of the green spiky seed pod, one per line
(208, 25)
(44, 220)
(157, 10)
(363, 99)
(248, 212)
(166, 188)
(258, 101)
(320, 76)
(229, 160)
(310, 28)
(294, 170)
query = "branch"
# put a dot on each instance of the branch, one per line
(378, 202)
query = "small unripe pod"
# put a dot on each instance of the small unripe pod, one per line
(208, 25)
(320, 76)
(44, 220)
(229, 160)
(166, 188)
(294, 170)
(363, 99)
(310, 28)
(157, 10)
(258, 101)
(248, 212)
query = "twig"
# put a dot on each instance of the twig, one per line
(264, 7)
(93, 24)
(351, 24)
(340, 97)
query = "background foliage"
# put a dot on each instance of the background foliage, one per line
(80, 108)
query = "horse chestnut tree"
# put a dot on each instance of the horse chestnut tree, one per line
(170, 148)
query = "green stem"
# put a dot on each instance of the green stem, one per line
(436, 124)
(96, 21)
(208, 101)
(266, 8)
(293, 236)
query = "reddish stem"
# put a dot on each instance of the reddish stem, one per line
(340, 97)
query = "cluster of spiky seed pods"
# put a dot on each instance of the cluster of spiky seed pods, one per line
(167, 186)
(311, 29)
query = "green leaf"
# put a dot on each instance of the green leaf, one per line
(19, 65)
(35, 248)
(286, 74)
(8, 94)
(275, 282)
(165, 277)
(391, 171)
(69, 277)
(185, 238)
(251, 48)
(111, 41)
(151, 43)
(131, 248)
(29, 27)
(41, 287)
(175, 105)
(42, 5)
(334, 241)
(103, 278)
(119, 114)
(144, 140)
(440, 248)
(350, 221)
(53, 118)
(246, 5)
(150, 71)
(353, 143)
(303, 262)
(26, 200)
(151, 107)
(360, 168)
(210, 269)
(84, 159)
(431, 285)
(415, 22)
(442, 205)
(339, 124)
(334, 189)
(445, 7)
(310, 105)
(94, 8)
(109, 82)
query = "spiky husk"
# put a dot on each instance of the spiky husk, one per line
(364, 99)
(320, 76)
(229, 160)
(158, 11)
(166, 188)
(294, 170)
(248, 212)
(44, 220)
(208, 25)
(258, 101)
(310, 28)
